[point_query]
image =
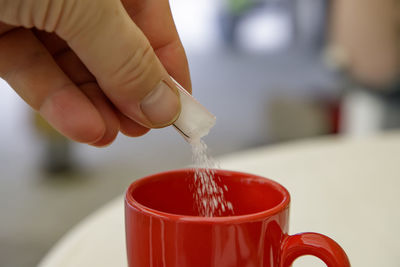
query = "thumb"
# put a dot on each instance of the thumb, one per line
(114, 50)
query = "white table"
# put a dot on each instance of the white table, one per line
(348, 189)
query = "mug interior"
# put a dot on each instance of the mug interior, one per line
(172, 192)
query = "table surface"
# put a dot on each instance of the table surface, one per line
(345, 188)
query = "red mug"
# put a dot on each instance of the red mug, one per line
(163, 229)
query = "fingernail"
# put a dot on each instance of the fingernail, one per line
(161, 106)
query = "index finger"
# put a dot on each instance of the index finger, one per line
(154, 18)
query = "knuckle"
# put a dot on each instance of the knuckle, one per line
(53, 15)
(42, 14)
(80, 17)
(48, 14)
(10, 10)
(135, 68)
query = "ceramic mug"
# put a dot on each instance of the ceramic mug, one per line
(163, 229)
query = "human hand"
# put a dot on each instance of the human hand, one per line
(94, 68)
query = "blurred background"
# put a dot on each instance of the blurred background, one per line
(270, 70)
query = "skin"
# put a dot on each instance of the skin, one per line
(86, 65)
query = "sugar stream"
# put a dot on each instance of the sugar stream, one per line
(208, 196)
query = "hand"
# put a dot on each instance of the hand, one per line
(94, 68)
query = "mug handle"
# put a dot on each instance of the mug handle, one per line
(314, 244)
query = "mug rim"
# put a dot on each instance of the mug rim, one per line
(134, 204)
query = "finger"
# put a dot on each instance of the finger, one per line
(28, 67)
(131, 128)
(106, 110)
(77, 72)
(112, 47)
(154, 18)
(123, 62)
(74, 68)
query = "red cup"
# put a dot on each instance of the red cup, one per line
(163, 229)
